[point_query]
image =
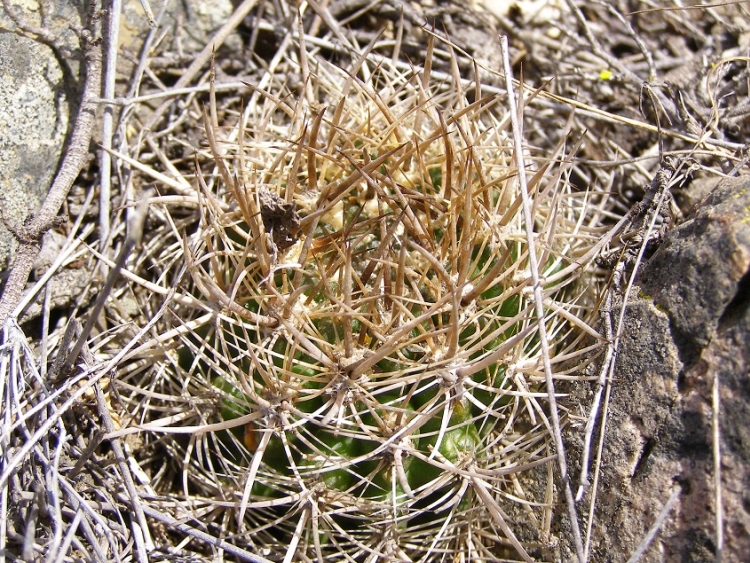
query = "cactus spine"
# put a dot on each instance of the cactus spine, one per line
(374, 361)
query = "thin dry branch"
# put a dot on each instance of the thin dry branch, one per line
(108, 91)
(716, 447)
(30, 234)
(656, 527)
(183, 528)
(539, 303)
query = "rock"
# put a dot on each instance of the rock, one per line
(694, 275)
(191, 24)
(37, 94)
(688, 324)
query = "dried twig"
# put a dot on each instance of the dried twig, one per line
(181, 527)
(149, 13)
(141, 534)
(658, 523)
(649, 208)
(133, 239)
(537, 287)
(716, 446)
(108, 91)
(642, 219)
(30, 234)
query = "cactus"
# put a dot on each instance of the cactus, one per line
(374, 363)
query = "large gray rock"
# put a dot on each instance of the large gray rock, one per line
(38, 92)
(39, 95)
(688, 323)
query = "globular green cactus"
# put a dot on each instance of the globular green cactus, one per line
(375, 354)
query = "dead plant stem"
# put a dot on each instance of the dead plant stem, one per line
(537, 288)
(133, 238)
(655, 195)
(179, 526)
(658, 523)
(30, 235)
(141, 535)
(108, 117)
(602, 386)
(716, 435)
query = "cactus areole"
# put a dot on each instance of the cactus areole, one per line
(374, 352)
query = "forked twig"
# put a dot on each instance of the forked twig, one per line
(30, 234)
(638, 235)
